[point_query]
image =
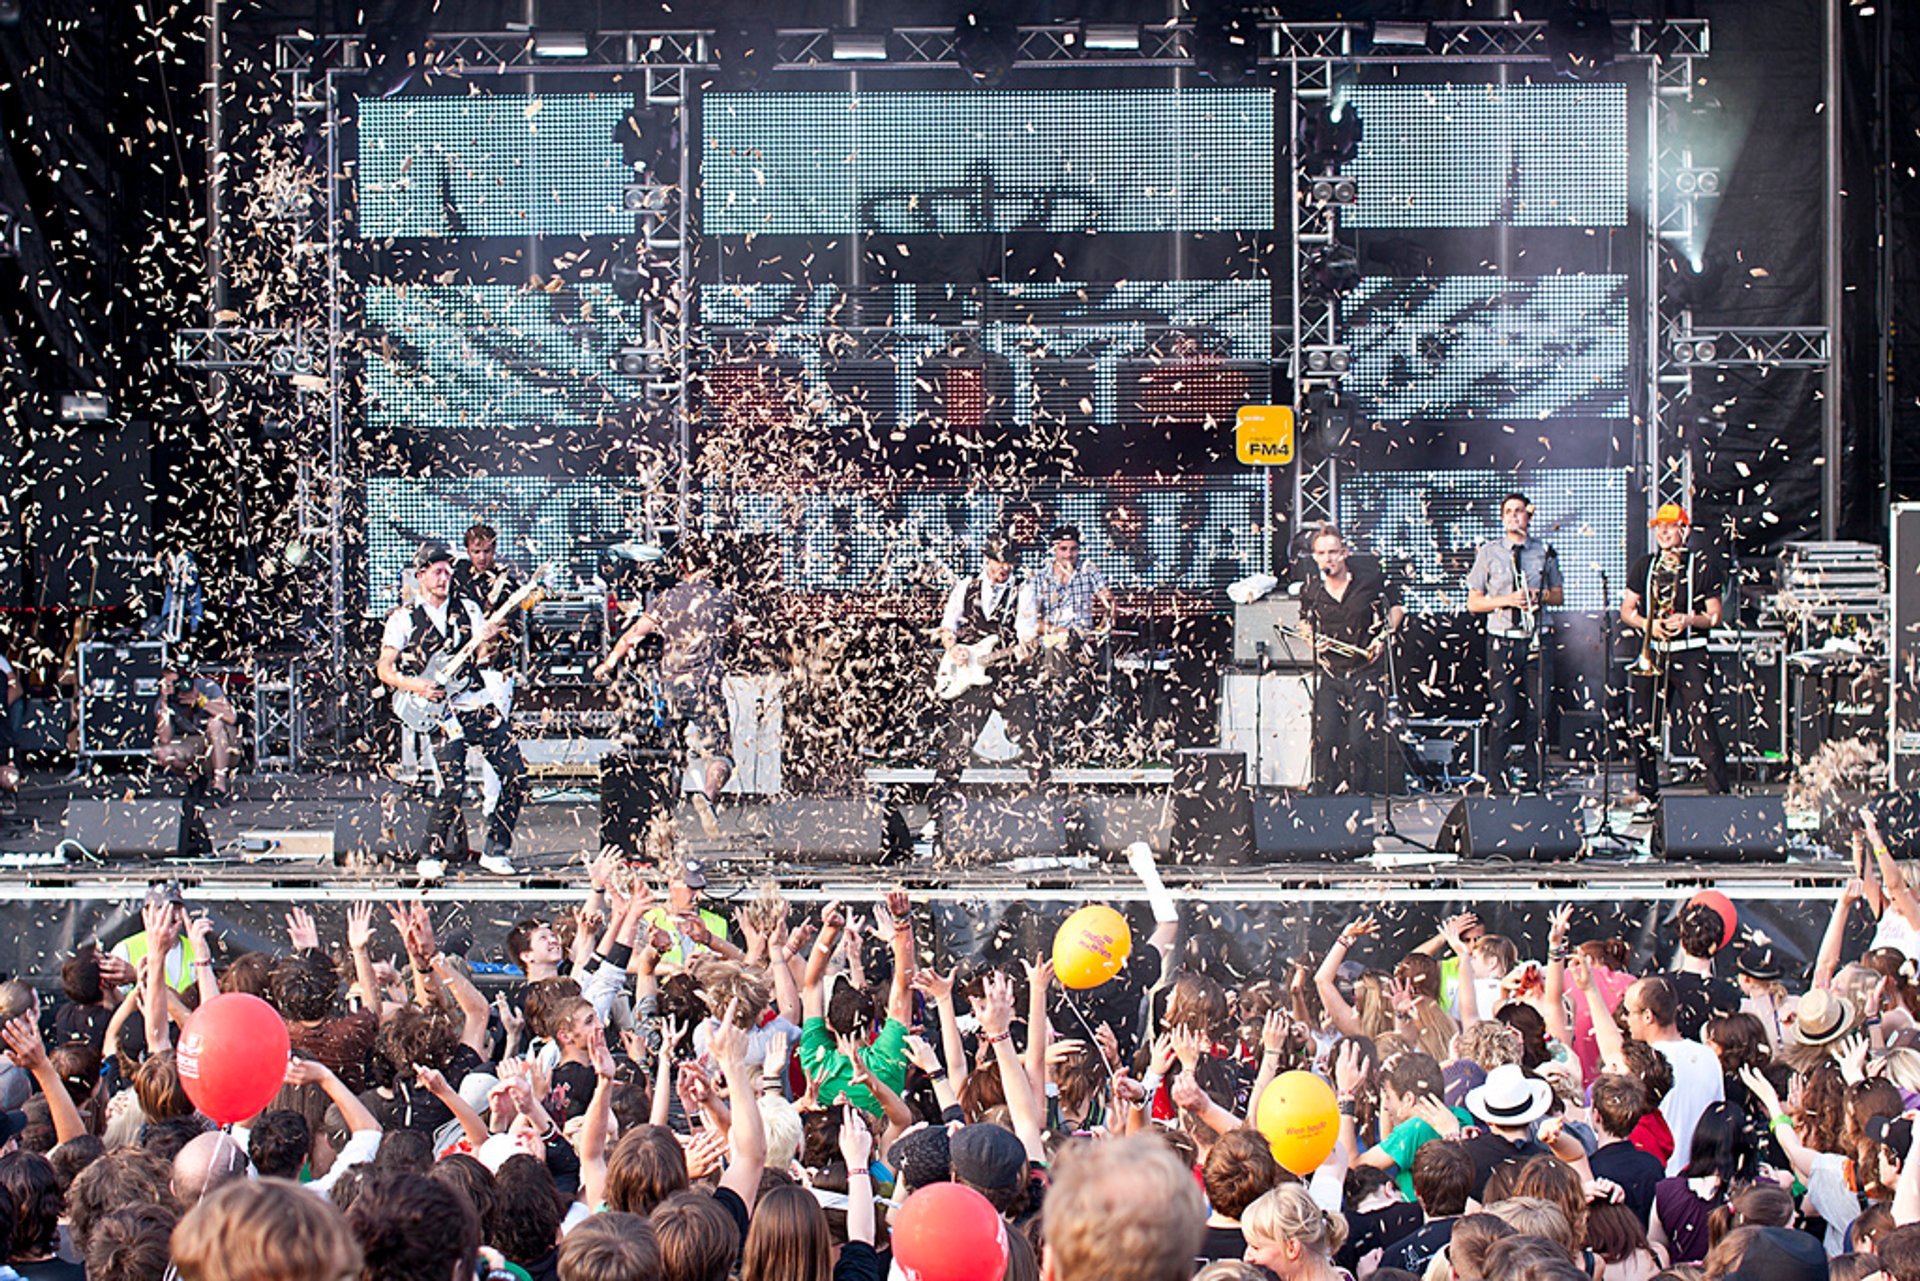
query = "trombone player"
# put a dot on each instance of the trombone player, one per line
(1673, 599)
(1348, 610)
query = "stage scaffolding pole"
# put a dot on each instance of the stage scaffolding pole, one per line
(1833, 286)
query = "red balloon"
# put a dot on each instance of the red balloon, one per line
(1729, 915)
(233, 1056)
(949, 1232)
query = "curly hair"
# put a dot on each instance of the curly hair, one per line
(414, 1037)
(302, 988)
(724, 982)
(29, 1179)
(1490, 1044)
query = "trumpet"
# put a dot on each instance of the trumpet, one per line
(1328, 643)
(1663, 594)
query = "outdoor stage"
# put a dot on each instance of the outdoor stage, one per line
(273, 850)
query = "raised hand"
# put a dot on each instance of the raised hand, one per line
(775, 1058)
(599, 1055)
(22, 1035)
(1557, 926)
(431, 1081)
(1273, 1032)
(1349, 1068)
(1103, 1036)
(923, 1055)
(706, 1153)
(1188, 1045)
(1187, 1094)
(200, 933)
(359, 926)
(1358, 930)
(728, 1042)
(937, 986)
(1039, 974)
(994, 1009)
(691, 1083)
(301, 931)
(856, 1141)
(833, 916)
(306, 1072)
(1579, 973)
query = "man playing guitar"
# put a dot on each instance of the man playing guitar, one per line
(414, 634)
(1349, 611)
(1074, 609)
(482, 578)
(991, 606)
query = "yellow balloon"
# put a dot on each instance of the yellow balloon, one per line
(1300, 1118)
(1090, 947)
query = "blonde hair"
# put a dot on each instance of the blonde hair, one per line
(781, 1122)
(265, 1230)
(723, 982)
(1489, 1043)
(1433, 1029)
(1901, 1065)
(1288, 1213)
(1533, 1216)
(1124, 1210)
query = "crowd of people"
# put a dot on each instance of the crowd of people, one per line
(662, 1090)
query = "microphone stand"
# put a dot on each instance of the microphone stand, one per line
(1605, 832)
(1388, 732)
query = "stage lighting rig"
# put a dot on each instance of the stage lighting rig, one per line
(853, 45)
(1111, 37)
(1225, 42)
(1333, 189)
(985, 45)
(649, 139)
(1329, 272)
(1328, 138)
(1328, 362)
(1697, 180)
(744, 53)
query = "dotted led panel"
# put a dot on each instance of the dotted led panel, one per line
(1102, 326)
(983, 162)
(492, 165)
(497, 356)
(1465, 155)
(541, 519)
(1489, 346)
(1425, 525)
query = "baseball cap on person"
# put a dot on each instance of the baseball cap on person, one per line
(691, 873)
(987, 1156)
(161, 893)
(1894, 1131)
(1669, 514)
(1064, 531)
(432, 552)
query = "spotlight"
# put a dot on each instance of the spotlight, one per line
(1330, 361)
(1705, 182)
(743, 53)
(560, 44)
(1333, 189)
(1686, 182)
(83, 407)
(1399, 35)
(638, 362)
(1321, 192)
(1705, 351)
(1117, 37)
(1329, 272)
(1579, 40)
(985, 47)
(1327, 140)
(1683, 352)
(1346, 192)
(859, 46)
(1224, 42)
(636, 197)
(280, 362)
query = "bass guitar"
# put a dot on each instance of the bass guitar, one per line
(423, 715)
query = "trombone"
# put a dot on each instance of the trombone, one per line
(1663, 596)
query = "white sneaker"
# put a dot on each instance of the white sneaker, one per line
(430, 869)
(498, 865)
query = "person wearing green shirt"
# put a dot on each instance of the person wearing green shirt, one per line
(824, 1047)
(1408, 1081)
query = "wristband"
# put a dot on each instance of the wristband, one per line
(936, 1078)
(863, 1173)
(1346, 1107)
(1003, 1036)
(618, 955)
(1150, 1083)
(1780, 1121)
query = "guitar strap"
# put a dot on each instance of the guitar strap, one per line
(428, 640)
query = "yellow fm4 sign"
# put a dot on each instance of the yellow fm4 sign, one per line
(1263, 435)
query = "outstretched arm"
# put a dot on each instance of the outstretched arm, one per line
(1344, 1018)
(900, 993)
(746, 1137)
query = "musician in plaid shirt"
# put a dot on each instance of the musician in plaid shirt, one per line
(1072, 603)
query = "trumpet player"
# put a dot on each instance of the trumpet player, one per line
(1514, 578)
(1349, 611)
(1673, 598)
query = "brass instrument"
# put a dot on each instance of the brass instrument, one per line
(1327, 643)
(1663, 595)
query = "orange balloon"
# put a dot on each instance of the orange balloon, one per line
(1729, 915)
(1090, 947)
(1300, 1118)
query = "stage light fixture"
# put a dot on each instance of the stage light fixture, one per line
(1225, 42)
(985, 46)
(649, 139)
(1579, 40)
(628, 282)
(1112, 37)
(744, 53)
(1399, 35)
(859, 46)
(83, 407)
(1329, 272)
(638, 362)
(560, 44)
(1683, 352)
(1705, 351)
(1327, 140)
(10, 11)
(1327, 361)
(1333, 189)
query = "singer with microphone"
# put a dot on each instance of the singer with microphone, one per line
(1515, 578)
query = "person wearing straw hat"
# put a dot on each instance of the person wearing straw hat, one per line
(1820, 1017)
(1673, 596)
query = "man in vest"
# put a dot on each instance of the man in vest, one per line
(993, 603)
(438, 624)
(694, 929)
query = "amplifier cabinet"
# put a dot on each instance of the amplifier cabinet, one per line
(119, 685)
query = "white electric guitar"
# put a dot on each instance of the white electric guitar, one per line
(423, 715)
(971, 666)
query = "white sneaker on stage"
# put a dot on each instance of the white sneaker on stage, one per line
(498, 865)
(430, 869)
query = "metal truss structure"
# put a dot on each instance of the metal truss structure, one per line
(1311, 57)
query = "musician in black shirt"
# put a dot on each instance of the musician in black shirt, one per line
(1673, 597)
(1349, 610)
(489, 583)
(992, 603)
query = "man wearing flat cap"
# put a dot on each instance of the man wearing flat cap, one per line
(437, 624)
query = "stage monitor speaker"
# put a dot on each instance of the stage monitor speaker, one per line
(991, 828)
(1721, 829)
(633, 787)
(1115, 821)
(392, 826)
(1289, 828)
(1212, 807)
(837, 829)
(1541, 829)
(157, 828)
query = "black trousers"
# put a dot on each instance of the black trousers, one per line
(1688, 702)
(1066, 696)
(1348, 713)
(967, 716)
(1518, 677)
(487, 730)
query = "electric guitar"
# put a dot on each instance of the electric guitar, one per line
(423, 715)
(974, 668)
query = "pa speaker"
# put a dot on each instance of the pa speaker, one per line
(393, 826)
(1722, 829)
(990, 828)
(1288, 828)
(137, 829)
(633, 787)
(1212, 807)
(1544, 829)
(838, 829)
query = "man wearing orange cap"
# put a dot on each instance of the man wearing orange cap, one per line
(1673, 597)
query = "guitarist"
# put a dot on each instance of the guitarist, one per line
(439, 624)
(1349, 610)
(992, 603)
(483, 579)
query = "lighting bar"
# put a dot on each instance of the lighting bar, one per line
(859, 46)
(1122, 37)
(560, 44)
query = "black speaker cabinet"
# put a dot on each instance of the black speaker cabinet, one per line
(393, 826)
(1212, 807)
(1721, 829)
(156, 828)
(633, 787)
(1542, 829)
(992, 828)
(838, 829)
(1289, 828)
